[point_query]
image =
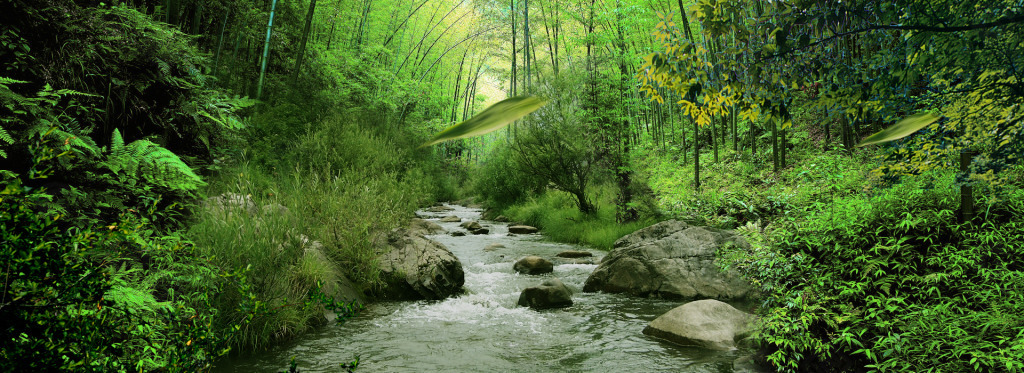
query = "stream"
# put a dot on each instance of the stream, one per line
(483, 330)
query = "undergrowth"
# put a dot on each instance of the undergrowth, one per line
(558, 216)
(890, 281)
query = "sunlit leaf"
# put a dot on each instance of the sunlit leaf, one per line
(491, 119)
(901, 129)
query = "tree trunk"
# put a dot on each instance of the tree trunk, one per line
(305, 37)
(220, 45)
(526, 41)
(775, 144)
(696, 156)
(512, 8)
(625, 212)
(266, 50)
(714, 144)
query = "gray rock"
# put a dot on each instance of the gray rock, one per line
(707, 323)
(533, 265)
(521, 229)
(414, 267)
(458, 234)
(474, 227)
(470, 225)
(231, 202)
(424, 227)
(552, 293)
(574, 254)
(451, 219)
(501, 219)
(493, 246)
(439, 209)
(672, 260)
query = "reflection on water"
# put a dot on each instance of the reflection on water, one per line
(484, 331)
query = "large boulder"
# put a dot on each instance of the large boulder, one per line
(521, 229)
(533, 265)
(451, 219)
(474, 227)
(672, 260)
(424, 227)
(704, 323)
(414, 267)
(552, 293)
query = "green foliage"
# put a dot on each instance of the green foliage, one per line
(115, 298)
(554, 153)
(891, 281)
(142, 77)
(556, 214)
(155, 165)
(316, 223)
(500, 182)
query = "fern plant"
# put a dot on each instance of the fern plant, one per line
(11, 102)
(42, 118)
(149, 162)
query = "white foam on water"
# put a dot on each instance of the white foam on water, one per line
(575, 268)
(476, 310)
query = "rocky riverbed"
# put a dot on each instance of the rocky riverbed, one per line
(483, 327)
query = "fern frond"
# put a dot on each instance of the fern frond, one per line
(116, 144)
(147, 161)
(8, 81)
(164, 67)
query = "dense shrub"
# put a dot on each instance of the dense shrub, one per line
(892, 282)
(100, 298)
(501, 183)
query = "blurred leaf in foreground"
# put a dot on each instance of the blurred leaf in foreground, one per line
(491, 119)
(901, 129)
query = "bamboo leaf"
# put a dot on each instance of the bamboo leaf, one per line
(901, 129)
(491, 119)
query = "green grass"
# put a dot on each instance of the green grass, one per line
(556, 215)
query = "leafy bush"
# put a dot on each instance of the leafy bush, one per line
(552, 152)
(499, 180)
(115, 298)
(891, 282)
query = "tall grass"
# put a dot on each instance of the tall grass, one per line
(557, 215)
(310, 224)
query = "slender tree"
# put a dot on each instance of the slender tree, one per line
(266, 50)
(305, 37)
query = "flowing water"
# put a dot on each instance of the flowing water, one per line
(483, 330)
